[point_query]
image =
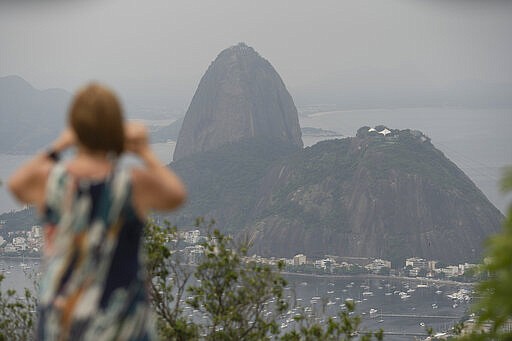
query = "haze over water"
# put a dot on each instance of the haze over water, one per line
(476, 140)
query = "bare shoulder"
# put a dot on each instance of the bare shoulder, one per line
(152, 191)
(138, 177)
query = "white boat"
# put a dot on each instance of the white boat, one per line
(404, 295)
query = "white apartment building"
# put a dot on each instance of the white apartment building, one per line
(299, 259)
(416, 262)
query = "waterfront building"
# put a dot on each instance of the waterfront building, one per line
(299, 259)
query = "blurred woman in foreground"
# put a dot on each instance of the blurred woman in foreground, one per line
(93, 286)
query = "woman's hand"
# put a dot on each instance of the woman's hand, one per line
(155, 186)
(136, 138)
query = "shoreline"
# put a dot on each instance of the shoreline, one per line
(310, 275)
(373, 276)
(20, 258)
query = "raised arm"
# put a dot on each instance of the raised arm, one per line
(28, 183)
(155, 186)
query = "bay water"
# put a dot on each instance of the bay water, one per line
(402, 307)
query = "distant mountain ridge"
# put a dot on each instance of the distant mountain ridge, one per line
(31, 118)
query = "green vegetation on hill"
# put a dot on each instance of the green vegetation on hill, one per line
(225, 182)
(325, 160)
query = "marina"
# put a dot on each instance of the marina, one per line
(402, 308)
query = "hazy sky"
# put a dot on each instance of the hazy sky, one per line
(157, 50)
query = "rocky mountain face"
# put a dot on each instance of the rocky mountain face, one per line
(392, 196)
(30, 118)
(241, 96)
(384, 193)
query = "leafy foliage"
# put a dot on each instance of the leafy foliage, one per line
(235, 294)
(169, 277)
(233, 170)
(232, 294)
(17, 318)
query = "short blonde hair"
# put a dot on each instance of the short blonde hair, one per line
(96, 118)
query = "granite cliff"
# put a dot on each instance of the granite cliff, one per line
(240, 96)
(392, 196)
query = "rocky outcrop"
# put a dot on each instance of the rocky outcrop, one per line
(384, 193)
(241, 96)
(391, 195)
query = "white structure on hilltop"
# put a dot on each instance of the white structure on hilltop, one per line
(385, 132)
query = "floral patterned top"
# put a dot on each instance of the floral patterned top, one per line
(92, 285)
